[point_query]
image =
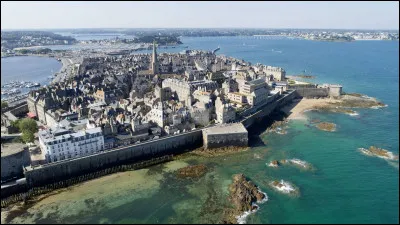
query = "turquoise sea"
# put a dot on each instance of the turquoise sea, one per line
(345, 186)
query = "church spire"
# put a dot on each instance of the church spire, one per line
(154, 61)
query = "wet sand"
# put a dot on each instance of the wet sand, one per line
(93, 195)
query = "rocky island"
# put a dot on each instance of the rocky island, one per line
(346, 103)
(379, 152)
(243, 194)
(273, 163)
(284, 187)
(325, 126)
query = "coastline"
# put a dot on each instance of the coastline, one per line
(296, 109)
(66, 62)
(58, 76)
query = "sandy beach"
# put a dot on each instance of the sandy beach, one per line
(295, 109)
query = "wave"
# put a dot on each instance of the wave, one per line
(271, 164)
(390, 155)
(365, 151)
(300, 163)
(283, 186)
(265, 199)
(394, 164)
(354, 114)
(378, 107)
(241, 219)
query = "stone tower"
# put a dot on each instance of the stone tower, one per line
(154, 61)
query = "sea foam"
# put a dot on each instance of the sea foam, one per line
(299, 162)
(284, 187)
(241, 219)
(354, 114)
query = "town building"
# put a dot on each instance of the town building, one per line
(59, 143)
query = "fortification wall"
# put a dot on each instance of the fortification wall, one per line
(23, 109)
(313, 92)
(62, 170)
(13, 187)
(11, 165)
(225, 135)
(266, 110)
(225, 140)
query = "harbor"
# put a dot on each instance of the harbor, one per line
(21, 74)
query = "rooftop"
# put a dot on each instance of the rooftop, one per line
(228, 128)
(11, 148)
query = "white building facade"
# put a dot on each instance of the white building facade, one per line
(58, 143)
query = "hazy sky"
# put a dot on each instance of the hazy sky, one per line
(335, 15)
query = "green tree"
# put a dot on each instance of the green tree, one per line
(23, 51)
(28, 137)
(4, 104)
(28, 125)
(15, 124)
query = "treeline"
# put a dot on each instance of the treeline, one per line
(17, 35)
(34, 51)
(161, 40)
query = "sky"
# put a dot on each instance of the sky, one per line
(318, 15)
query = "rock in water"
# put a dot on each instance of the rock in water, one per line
(273, 163)
(243, 194)
(193, 171)
(326, 126)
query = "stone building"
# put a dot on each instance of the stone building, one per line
(225, 135)
(59, 143)
(224, 112)
(14, 156)
(278, 72)
(184, 89)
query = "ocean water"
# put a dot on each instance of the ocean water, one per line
(344, 186)
(28, 68)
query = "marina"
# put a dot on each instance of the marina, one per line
(21, 74)
(14, 87)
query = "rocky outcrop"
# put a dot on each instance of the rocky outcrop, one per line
(242, 194)
(379, 152)
(193, 171)
(283, 161)
(346, 102)
(284, 187)
(326, 126)
(274, 163)
(278, 127)
(219, 151)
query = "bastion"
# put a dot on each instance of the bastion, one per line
(13, 157)
(225, 135)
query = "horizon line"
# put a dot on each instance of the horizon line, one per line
(183, 28)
